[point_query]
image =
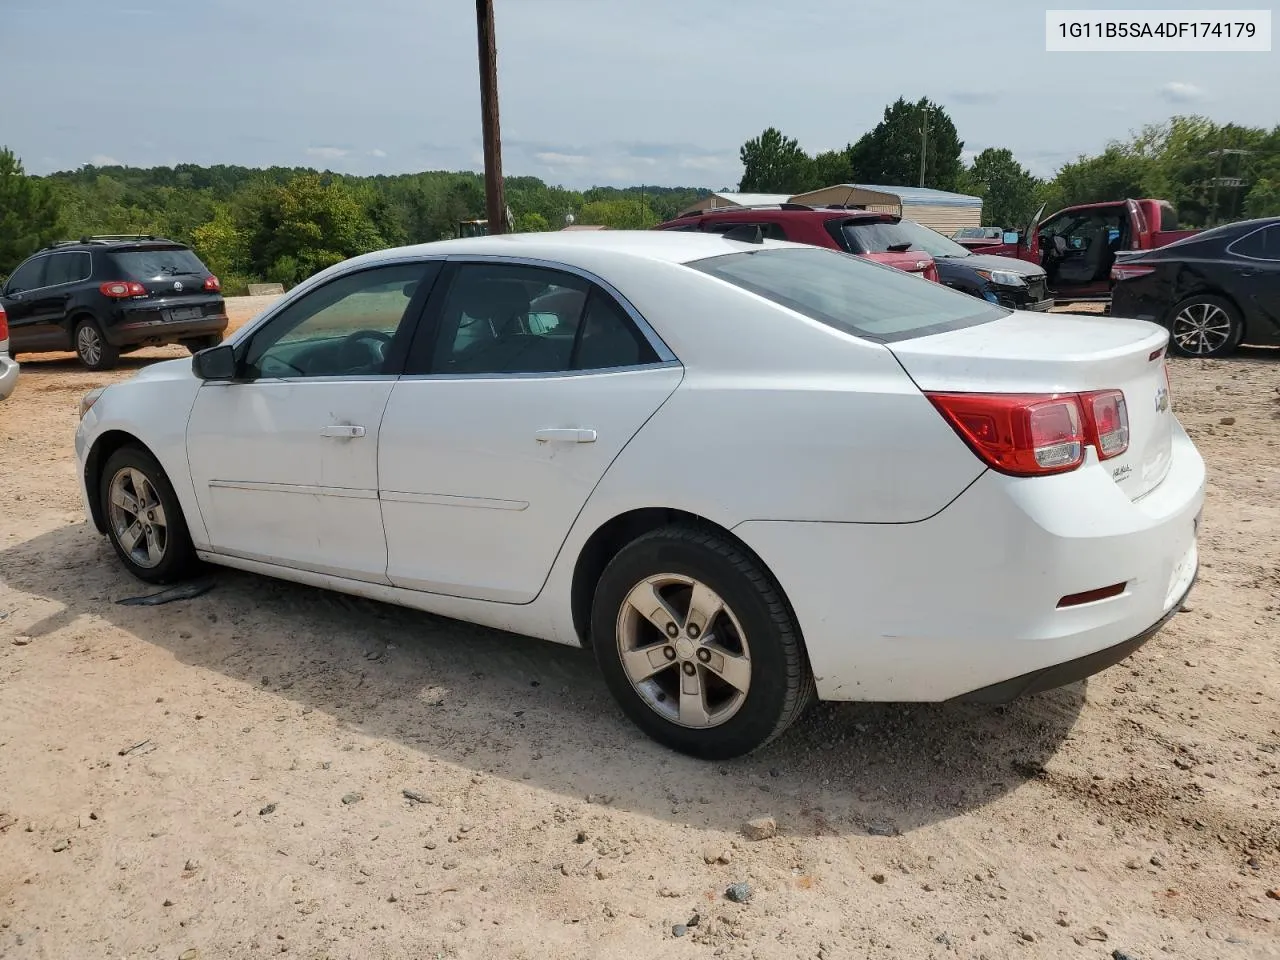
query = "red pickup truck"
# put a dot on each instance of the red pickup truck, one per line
(1078, 245)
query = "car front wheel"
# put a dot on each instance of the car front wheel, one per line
(1205, 326)
(698, 645)
(197, 344)
(144, 520)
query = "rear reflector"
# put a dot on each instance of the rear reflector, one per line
(1092, 596)
(4, 324)
(122, 289)
(1028, 435)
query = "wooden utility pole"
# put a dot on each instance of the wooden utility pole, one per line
(924, 143)
(495, 203)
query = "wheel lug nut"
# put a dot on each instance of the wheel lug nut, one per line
(704, 654)
(693, 631)
(669, 652)
(672, 630)
(688, 668)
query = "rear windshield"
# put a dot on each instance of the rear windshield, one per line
(876, 237)
(851, 294)
(151, 264)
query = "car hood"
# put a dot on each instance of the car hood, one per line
(179, 369)
(985, 261)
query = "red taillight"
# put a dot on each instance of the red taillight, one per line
(931, 273)
(212, 284)
(1108, 420)
(122, 289)
(1027, 435)
(1130, 272)
(4, 324)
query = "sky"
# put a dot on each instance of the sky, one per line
(592, 92)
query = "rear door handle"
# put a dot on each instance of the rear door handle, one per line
(343, 431)
(565, 435)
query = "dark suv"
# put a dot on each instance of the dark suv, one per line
(104, 296)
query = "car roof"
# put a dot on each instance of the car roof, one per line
(571, 246)
(823, 213)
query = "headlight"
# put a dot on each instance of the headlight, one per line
(1003, 278)
(89, 399)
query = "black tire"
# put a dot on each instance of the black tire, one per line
(1212, 314)
(197, 344)
(178, 559)
(92, 347)
(781, 683)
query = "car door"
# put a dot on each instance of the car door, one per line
(523, 386)
(30, 327)
(1256, 287)
(284, 458)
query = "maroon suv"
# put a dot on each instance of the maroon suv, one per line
(816, 226)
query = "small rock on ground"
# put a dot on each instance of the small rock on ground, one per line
(761, 828)
(351, 798)
(679, 930)
(738, 892)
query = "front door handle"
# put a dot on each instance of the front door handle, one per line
(343, 431)
(565, 435)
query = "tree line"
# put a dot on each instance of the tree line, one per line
(282, 224)
(1211, 173)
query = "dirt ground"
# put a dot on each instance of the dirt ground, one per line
(271, 769)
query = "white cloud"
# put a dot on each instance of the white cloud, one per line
(553, 159)
(709, 162)
(327, 153)
(1178, 92)
(378, 154)
(102, 160)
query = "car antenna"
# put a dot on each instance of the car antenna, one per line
(745, 233)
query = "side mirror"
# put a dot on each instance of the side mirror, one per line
(215, 363)
(1011, 236)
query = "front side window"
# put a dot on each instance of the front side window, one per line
(1262, 244)
(343, 328)
(506, 319)
(851, 294)
(67, 268)
(29, 276)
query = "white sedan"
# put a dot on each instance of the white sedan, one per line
(744, 473)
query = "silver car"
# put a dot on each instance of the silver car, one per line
(8, 366)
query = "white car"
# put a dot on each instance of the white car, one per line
(743, 473)
(8, 366)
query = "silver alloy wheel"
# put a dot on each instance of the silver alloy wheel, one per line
(137, 517)
(1201, 328)
(89, 343)
(684, 651)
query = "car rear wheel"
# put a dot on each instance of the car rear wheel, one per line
(197, 344)
(1205, 326)
(144, 519)
(698, 645)
(92, 347)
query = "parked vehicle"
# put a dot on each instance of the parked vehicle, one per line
(799, 223)
(977, 237)
(104, 296)
(744, 474)
(1214, 291)
(8, 366)
(1005, 280)
(1077, 245)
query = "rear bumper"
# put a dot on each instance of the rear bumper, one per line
(967, 600)
(152, 332)
(8, 375)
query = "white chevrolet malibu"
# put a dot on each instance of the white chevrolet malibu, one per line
(743, 473)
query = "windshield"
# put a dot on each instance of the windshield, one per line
(851, 294)
(880, 236)
(155, 263)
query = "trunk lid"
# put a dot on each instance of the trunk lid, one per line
(166, 272)
(1061, 353)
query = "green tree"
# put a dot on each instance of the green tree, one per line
(889, 154)
(773, 163)
(531, 222)
(1008, 190)
(1114, 174)
(829, 168)
(618, 214)
(1263, 199)
(28, 213)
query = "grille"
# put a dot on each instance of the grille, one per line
(1036, 288)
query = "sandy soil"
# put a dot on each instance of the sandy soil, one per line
(271, 769)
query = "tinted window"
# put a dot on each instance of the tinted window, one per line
(67, 268)
(879, 237)
(343, 328)
(770, 231)
(504, 318)
(1262, 244)
(29, 276)
(153, 264)
(850, 294)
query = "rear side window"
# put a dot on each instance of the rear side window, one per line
(153, 264)
(67, 268)
(851, 294)
(1262, 244)
(769, 231)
